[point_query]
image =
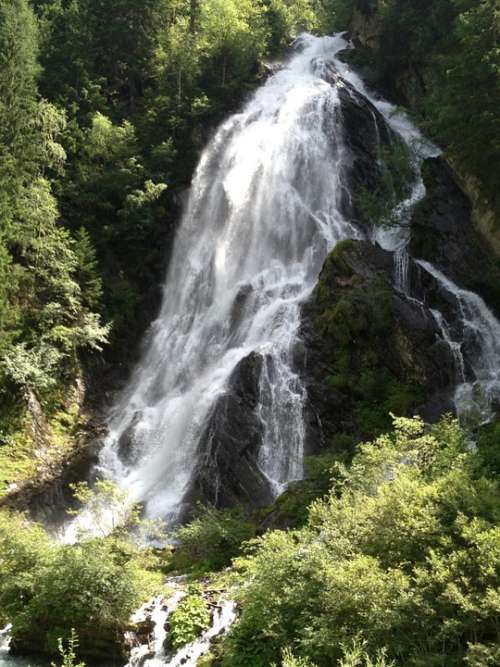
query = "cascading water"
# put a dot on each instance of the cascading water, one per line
(395, 238)
(155, 650)
(263, 212)
(478, 331)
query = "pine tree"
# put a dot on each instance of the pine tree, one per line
(18, 72)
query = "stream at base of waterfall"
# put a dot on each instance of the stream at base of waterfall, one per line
(151, 648)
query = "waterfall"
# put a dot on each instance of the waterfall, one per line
(263, 212)
(478, 331)
(264, 209)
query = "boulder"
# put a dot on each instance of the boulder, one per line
(227, 473)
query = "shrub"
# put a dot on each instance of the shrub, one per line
(49, 589)
(212, 539)
(403, 553)
(190, 618)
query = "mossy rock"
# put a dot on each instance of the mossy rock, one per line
(370, 351)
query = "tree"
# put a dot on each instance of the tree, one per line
(470, 123)
(234, 32)
(123, 38)
(18, 72)
(287, 19)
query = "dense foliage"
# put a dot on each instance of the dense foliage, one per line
(211, 539)
(401, 559)
(48, 589)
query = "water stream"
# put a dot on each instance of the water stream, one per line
(154, 650)
(475, 345)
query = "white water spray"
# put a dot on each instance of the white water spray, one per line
(263, 212)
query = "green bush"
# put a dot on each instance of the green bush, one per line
(212, 539)
(400, 562)
(48, 589)
(190, 618)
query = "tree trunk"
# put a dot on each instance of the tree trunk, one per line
(179, 85)
(193, 16)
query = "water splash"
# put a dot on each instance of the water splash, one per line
(156, 613)
(154, 652)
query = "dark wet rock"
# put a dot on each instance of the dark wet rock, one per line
(443, 234)
(238, 307)
(269, 69)
(144, 629)
(227, 473)
(365, 134)
(128, 447)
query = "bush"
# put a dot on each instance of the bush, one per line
(190, 618)
(212, 539)
(48, 589)
(404, 553)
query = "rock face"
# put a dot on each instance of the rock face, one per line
(365, 135)
(368, 350)
(228, 473)
(46, 501)
(443, 233)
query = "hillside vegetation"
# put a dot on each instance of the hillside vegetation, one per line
(388, 553)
